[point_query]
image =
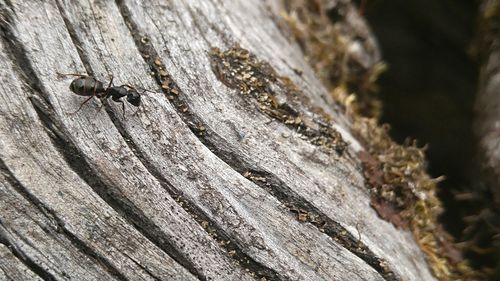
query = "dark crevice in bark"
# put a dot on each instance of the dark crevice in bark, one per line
(32, 265)
(200, 216)
(77, 161)
(24, 259)
(117, 201)
(244, 260)
(18, 54)
(273, 185)
(302, 209)
(149, 273)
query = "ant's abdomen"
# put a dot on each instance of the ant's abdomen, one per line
(87, 86)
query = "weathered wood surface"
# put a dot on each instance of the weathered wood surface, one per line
(166, 194)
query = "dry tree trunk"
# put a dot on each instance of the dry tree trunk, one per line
(241, 166)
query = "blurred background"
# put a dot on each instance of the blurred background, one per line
(428, 93)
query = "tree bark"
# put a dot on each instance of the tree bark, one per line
(203, 182)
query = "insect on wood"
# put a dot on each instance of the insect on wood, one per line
(89, 86)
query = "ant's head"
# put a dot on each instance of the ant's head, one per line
(133, 97)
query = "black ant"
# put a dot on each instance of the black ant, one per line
(89, 86)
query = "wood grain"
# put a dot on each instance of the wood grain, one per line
(198, 186)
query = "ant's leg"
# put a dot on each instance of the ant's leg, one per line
(81, 105)
(99, 109)
(110, 81)
(128, 86)
(123, 107)
(100, 106)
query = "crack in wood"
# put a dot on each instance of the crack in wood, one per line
(80, 245)
(218, 234)
(305, 212)
(276, 96)
(29, 263)
(288, 198)
(140, 265)
(322, 222)
(170, 88)
(121, 205)
(78, 163)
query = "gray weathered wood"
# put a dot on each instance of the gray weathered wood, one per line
(145, 196)
(12, 268)
(70, 206)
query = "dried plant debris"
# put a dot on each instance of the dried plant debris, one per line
(402, 191)
(276, 96)
(338, 45)
(252, 268)
(404, 194)
(158, 70)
